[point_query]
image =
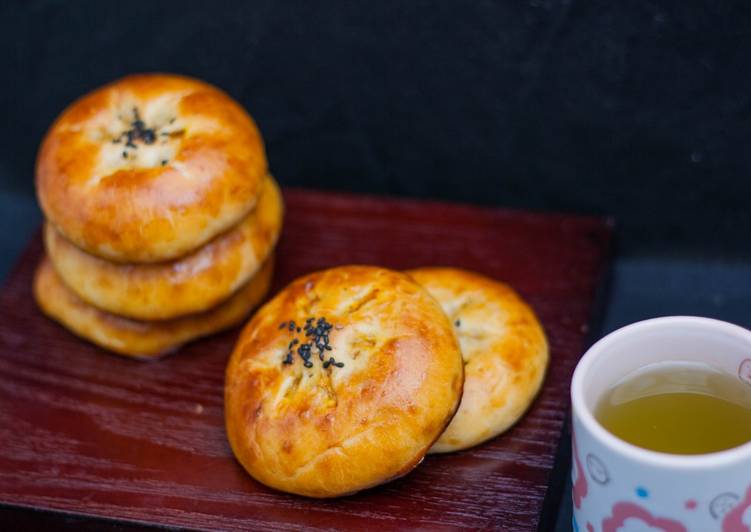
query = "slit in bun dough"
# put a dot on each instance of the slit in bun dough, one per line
(149, 167)
(144, 339)
(165, 290)
(504, 348)
(350, 395)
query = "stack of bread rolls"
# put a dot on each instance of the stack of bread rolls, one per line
(161, 216)
(161, 224)
(350, 376)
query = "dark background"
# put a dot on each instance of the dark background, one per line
(636, 109)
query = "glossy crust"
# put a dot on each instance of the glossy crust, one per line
(329, 432)
(504, 348)
(142, 339)
(170, 289)
(191, 172)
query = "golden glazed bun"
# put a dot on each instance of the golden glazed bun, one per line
(191, 284)
(149, 167)
(142, 338)
(504, 348)
(325, 430)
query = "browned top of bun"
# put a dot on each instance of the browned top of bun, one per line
(149, 167)
(328, 431)
(504, 348)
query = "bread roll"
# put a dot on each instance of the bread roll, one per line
(504, 348)
(149, 168)
(142, 338)
(379, 380)
(187, 285)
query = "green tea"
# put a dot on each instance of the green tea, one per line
(681, 408)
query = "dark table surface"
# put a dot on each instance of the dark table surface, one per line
(641, 287)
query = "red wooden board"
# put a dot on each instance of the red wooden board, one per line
(87, 432)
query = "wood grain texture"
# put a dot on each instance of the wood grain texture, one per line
(87, 432)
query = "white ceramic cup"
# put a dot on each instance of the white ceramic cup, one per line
(620, 487)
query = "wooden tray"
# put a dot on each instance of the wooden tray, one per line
(90, 435)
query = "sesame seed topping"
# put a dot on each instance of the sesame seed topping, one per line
(316, 334)
(137, 132)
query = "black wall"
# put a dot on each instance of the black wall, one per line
(634, 108)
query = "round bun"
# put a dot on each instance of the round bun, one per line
(142, 338)
(165, 290)
(149, 167)
(322, 430)
(504, 348)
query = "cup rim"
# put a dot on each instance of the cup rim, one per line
(654, 458)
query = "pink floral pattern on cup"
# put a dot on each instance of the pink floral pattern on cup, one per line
(580, 488)
(739, 518)
(623, 511)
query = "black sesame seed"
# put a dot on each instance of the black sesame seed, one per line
(304, 351)
(164, 161)
(125, 154)
(308, 364)
(339, 364)
(458, 323)
(326, 364)
(282, 325)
